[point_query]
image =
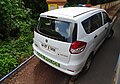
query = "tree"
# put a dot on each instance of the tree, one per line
(37, 6)
(13, 18)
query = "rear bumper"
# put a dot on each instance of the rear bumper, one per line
(68, 68)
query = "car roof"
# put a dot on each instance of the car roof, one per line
(70, 12)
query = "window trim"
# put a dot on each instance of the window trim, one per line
(74, 32)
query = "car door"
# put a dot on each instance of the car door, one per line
(105, 23)
(95, 29)
(98, 29)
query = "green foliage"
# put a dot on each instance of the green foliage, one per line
(15, 29)
(13, 16)
(13, 52)
(7, 63)
(37, 6)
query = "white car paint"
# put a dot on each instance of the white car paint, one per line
(57, 53)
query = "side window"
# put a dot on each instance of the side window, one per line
(87, 25)
(96, 21)
(105, 17)
(92, 23)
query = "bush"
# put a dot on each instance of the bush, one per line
(13, 52)
(15, 21)
(14, 16)
(37, 6)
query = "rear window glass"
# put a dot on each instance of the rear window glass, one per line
(55, 29)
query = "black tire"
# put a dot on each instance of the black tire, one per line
(87, 64)
(110, 34)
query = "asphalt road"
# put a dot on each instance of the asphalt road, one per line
(103, 65)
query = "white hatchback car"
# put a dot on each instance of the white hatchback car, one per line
(67, 38)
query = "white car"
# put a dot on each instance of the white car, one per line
(67, 38)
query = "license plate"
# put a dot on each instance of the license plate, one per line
(48, 47)
(48, 60)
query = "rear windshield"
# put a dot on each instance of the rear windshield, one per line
(55, 29)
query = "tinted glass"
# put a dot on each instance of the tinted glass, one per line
(105, 17)
(96, 21)
(87, 25)
(59, 30)
(92, 23)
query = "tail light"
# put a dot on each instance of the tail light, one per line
(77, 47)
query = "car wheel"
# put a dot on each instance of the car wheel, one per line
(110, 34)
(87, 64)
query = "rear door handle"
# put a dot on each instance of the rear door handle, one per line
(106, 28)
(95, 36)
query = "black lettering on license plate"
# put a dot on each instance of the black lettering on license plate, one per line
(48, 47)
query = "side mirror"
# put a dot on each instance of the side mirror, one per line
(109, 20)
